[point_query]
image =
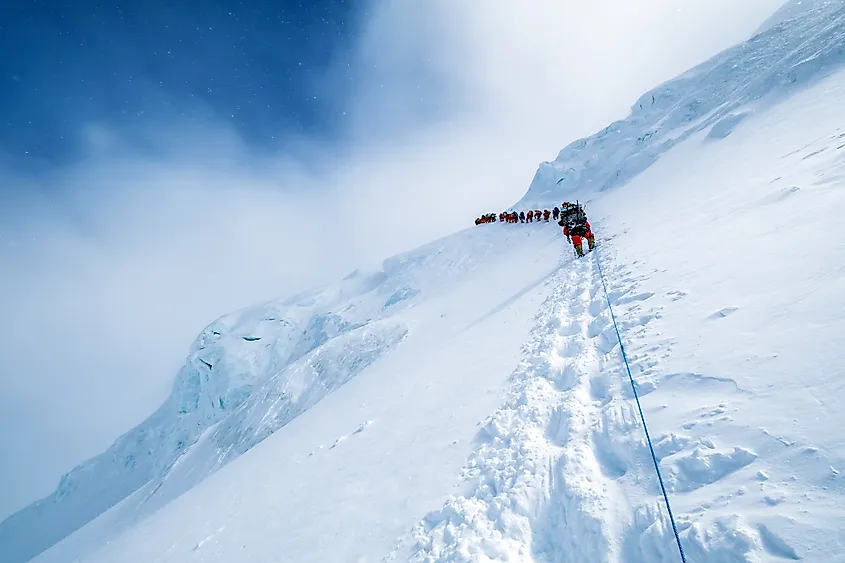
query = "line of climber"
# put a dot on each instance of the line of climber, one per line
(531, 216)
(569, 215)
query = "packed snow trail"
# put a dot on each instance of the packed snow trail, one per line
(562, 471)
(559, 470)
(642, 417)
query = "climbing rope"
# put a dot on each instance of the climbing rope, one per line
(642, 416)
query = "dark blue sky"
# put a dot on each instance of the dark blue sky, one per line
(260, 64)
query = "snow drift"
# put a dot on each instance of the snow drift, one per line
(395, 417)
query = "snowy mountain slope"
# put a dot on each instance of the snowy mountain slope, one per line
(438, 299)
(724, 261)
(726, 266)
(739, 388)
(287, 351)
(731, 318)
(804, 42)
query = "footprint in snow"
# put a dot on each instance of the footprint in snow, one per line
(571, 348)
(597, 306)
(597, 326)
(557, 431)
(600, 388)
(610, 463)
(565, 380)
(571, 329)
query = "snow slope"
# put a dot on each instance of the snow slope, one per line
(725, 260)
(428, 322)
(247, 374)
(725, 263)
(802, 44)
(717, 209)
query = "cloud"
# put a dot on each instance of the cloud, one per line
(118, 260)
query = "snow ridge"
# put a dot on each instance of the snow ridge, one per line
(248, 374)
(805, 43)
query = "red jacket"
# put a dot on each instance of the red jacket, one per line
(575, 238)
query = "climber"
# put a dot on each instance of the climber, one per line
(537, 214)
(546, 214)
(529, 216)
(576, 232)
(522, 216)
(555, 213)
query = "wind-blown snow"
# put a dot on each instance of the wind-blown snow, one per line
(802, 44)
(395, 417)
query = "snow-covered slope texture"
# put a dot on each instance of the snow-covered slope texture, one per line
(725, 267)
(253, 372)
(725, 264)
(724, 257)
(803, 43)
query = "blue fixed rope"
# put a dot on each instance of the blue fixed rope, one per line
(642, 417)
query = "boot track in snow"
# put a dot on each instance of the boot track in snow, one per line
(561, 472)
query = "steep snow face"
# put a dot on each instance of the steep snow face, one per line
(791, 9)
(253, 372)
(804, 46)
(248, 374)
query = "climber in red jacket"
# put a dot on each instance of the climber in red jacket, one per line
(576, 233)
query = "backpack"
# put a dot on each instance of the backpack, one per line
(578, 230)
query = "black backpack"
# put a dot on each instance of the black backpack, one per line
(578, 230)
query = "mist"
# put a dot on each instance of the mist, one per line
(112, 264)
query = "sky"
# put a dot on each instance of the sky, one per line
(163, 163)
